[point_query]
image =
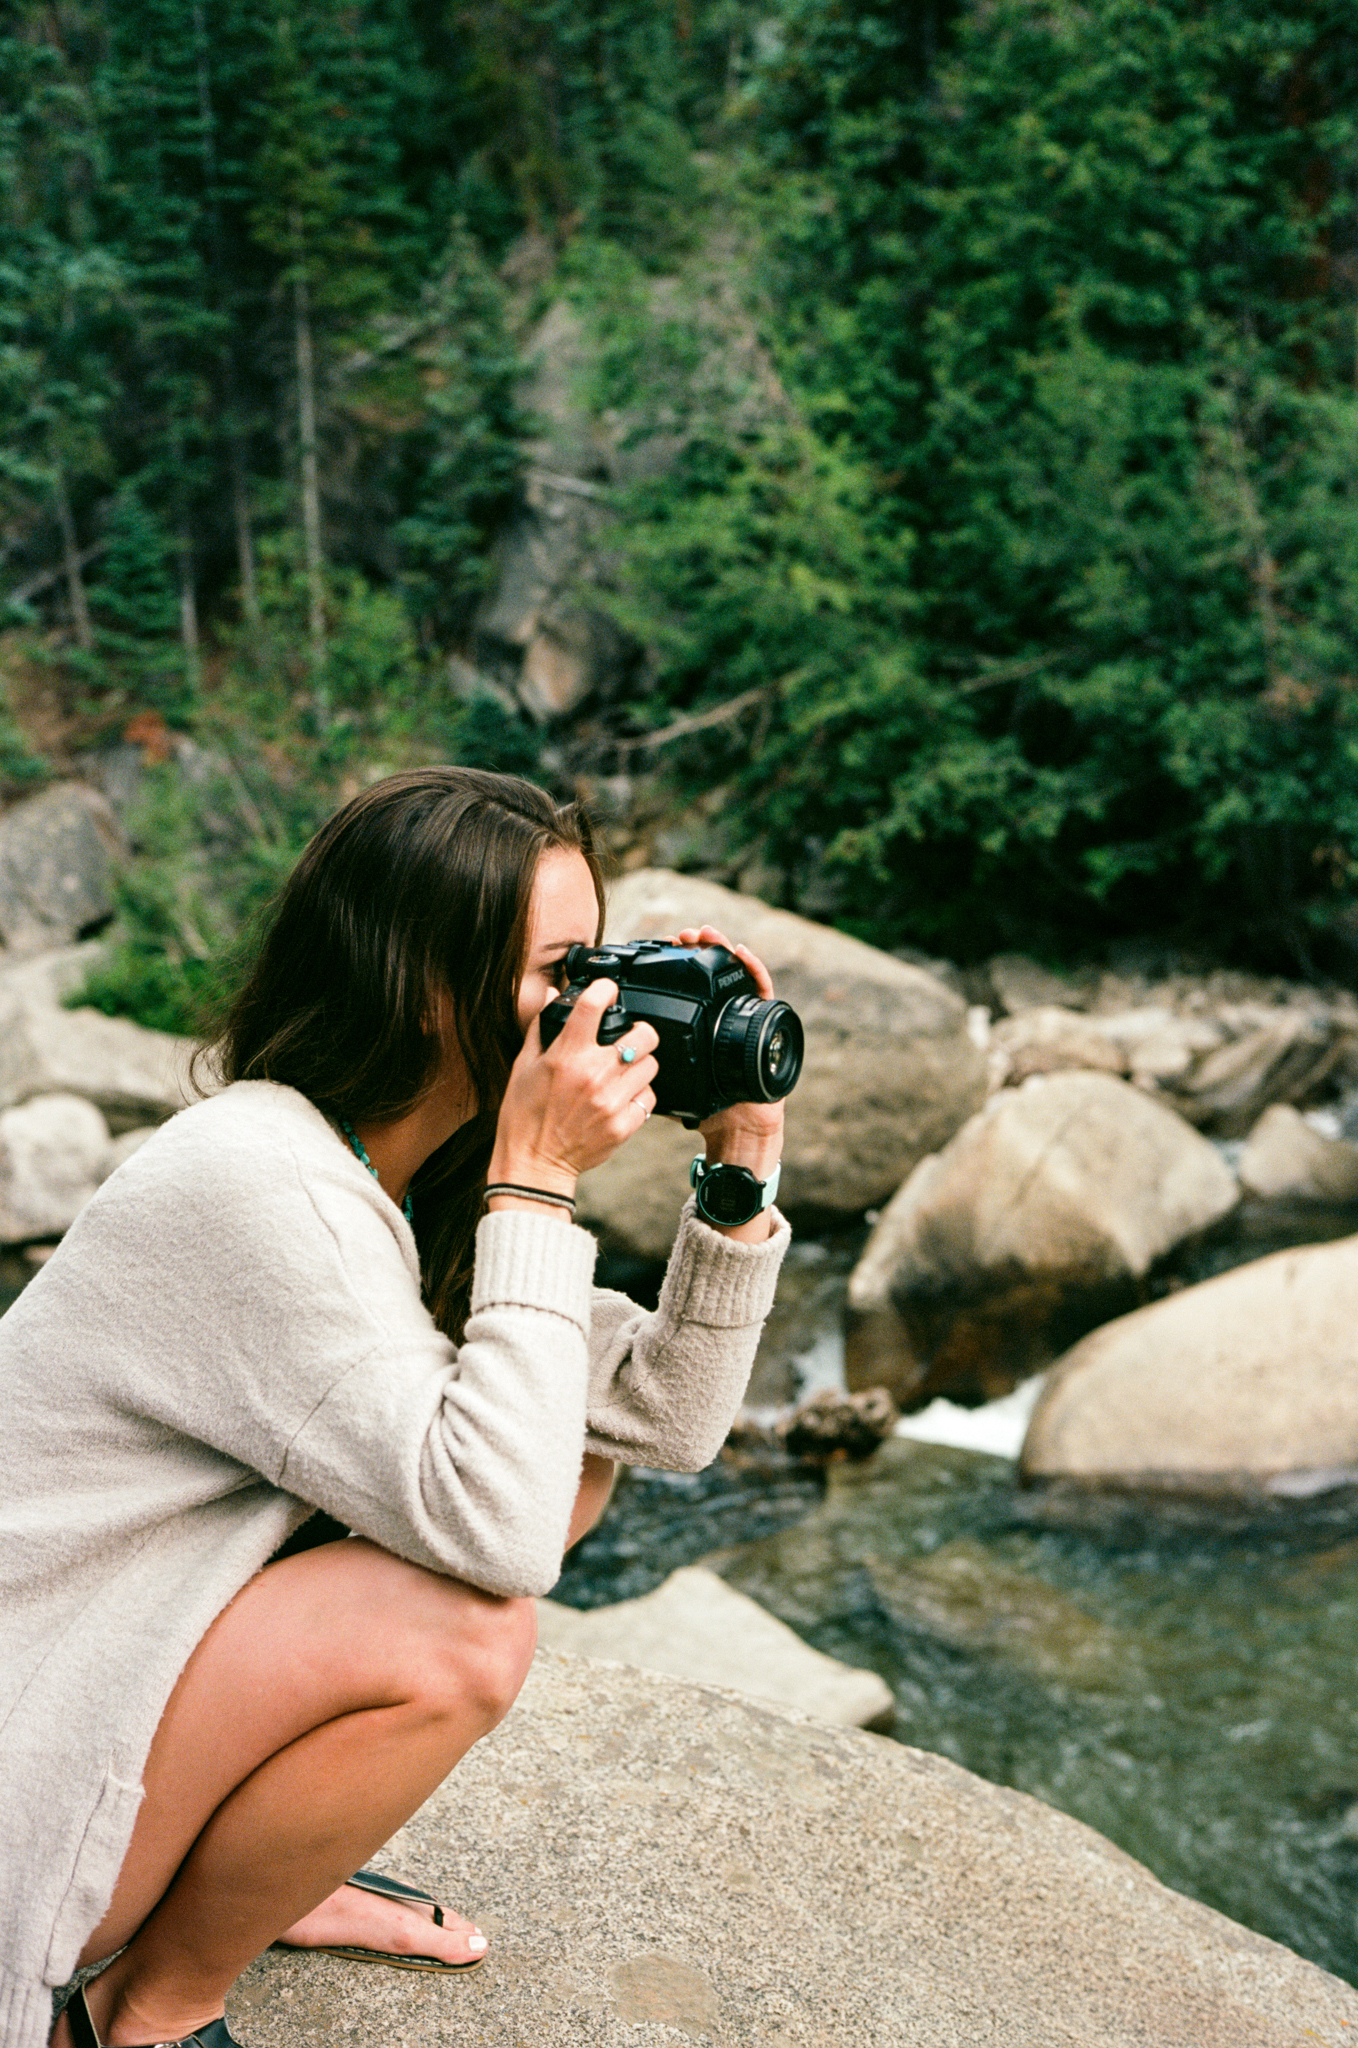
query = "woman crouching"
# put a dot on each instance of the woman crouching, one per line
(299, 1304)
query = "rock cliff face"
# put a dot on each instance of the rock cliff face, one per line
(666, 1862)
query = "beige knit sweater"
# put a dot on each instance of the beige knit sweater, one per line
(230, 1336)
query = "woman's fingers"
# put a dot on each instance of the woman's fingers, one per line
(708, 935)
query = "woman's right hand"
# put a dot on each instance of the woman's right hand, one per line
(569, 1107)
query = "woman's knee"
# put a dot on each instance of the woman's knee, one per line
(480, 1657)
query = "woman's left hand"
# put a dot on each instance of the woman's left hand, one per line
(748, 1133)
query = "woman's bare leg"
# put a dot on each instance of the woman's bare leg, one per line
(319, 1711)
(355, 1919)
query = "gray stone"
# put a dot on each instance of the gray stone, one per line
(696, 1627)
(1284, 1059)
(134, 1075)
(538, 628)
(890, 1072)
(1244, 1384)
(1284, 1160)
(53, 1155)
(58, 853)
(662, 1862)
(47, 980)
(1060, 1193)
(1021, 984)
(1048, 1040)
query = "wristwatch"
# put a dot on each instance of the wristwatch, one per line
(730, 1195)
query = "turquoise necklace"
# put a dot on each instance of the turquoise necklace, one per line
(362, 1152)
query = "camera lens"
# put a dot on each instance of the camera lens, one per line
(756, 1050)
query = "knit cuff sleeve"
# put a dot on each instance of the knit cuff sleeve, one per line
(525, 1261)
(721, 1282)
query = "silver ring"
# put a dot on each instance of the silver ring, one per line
(627, 1053)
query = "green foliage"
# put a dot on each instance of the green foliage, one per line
(20, 766)
(1064, 288)
(469, 453)
(214, 845)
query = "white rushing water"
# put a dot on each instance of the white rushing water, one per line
(999, 1427)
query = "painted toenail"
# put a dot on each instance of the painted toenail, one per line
(477, 1943)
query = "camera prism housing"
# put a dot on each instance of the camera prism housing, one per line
(720, 1040)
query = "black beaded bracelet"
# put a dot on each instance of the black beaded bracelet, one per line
(509, 1187)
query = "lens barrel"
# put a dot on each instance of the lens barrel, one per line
(757, 1050)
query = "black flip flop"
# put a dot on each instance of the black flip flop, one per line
(387, 1888)
(84, 2034)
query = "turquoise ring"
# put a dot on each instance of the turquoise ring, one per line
(627, 1053)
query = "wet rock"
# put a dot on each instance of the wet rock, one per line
(53, 1155)
(1037, 1220)
(696, 1627)
(651, 1854)
(1243, 1385)
(890, 1072)
(1285, 1160)
(58, 855)
(852, 1425)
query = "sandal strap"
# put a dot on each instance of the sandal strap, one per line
(388, 1888)
(85, 2035)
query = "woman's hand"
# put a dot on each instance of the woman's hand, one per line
(568, 1108)
(748, 1133)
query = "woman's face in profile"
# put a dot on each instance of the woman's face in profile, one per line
(564, 912)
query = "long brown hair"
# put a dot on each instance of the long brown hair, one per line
(421, 885)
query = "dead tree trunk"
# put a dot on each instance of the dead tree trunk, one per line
(310, 477)
(70, 555)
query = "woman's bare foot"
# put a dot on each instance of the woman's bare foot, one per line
(354, 1919)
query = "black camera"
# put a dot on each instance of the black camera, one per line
(720, 1040)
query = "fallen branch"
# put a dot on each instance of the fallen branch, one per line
(48, 577)
(697, 721)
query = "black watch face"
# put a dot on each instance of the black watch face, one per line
(729, 1194)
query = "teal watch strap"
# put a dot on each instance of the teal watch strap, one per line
(760, 1194)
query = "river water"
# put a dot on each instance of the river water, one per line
(1187, 1690)
(1187, 1686)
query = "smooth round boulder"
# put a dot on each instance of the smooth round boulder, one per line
(1036, 1221)
(891, 1070)
(658, 1861)
(1244, 1385)
(1285, 1160)
(53, 1155)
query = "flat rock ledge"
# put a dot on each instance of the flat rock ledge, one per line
(661, 1862)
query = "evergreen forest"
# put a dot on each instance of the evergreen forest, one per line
(982, 548)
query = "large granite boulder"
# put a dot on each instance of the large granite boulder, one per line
(1244, 1385)
(1036, 1221)
(54, 1151)
(58, 854)
(660, 1861)
(697, 1627)
(135, 1076)
(890, 1072)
